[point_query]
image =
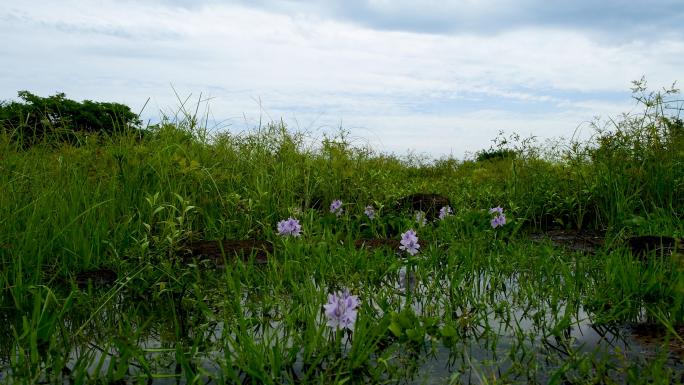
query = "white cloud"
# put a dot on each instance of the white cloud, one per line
(318, 69)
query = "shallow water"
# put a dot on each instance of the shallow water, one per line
(617, 345)
(520, 344)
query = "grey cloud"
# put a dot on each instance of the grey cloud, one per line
(616, 18)
(90, 29)
(100, 28)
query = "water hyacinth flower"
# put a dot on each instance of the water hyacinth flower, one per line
(409, 242)
(341, 310)
(421, 219)
(336, 207)
(500, 219)
(445, 212)
(290, 226)
(370, 212)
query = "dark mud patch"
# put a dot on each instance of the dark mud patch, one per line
(643, 245)
(96, 278)
(653, 335)
(584, 241)
(428, 203)
(232, 249)
(376, 243)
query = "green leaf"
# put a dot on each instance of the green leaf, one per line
(395, 328)
(416, 334)
(448, 331)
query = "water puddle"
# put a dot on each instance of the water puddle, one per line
(574, 240)
(214, 251)
(502, 333)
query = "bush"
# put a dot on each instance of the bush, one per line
(492, 154)
(57, 118)
(637, 161)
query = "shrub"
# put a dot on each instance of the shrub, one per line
(56, 118)
(492, 154)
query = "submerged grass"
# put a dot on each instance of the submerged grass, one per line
(476, 304)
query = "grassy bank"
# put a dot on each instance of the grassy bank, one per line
(483, 304)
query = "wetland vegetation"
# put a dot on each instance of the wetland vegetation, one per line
(174, 255)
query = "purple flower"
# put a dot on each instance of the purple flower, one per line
(498, 221)
(421, 220)
(409, 242)
(336, 207)
(290, 226)
(370, 212)
(341, 310)
(445, 212)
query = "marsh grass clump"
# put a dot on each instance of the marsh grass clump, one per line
(168, 256)
(637, 161)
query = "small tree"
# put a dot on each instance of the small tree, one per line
(56, 118)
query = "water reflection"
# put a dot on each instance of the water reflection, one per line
(503, 332)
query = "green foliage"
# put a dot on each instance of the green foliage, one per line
(492, 154)
(482, 300)
(58, 119)
(637, 166)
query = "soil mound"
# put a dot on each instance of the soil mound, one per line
(97, 278)
(642, 245)
(576, 240)
(428, 203)
(375, 243)
(242, 249)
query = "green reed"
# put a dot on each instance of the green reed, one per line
(487, 305)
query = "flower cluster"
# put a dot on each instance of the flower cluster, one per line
(290, 226)
(370, 212)
(421, 219)
(445, 212)
(409, 242)
(336, 207)
(341, 310)
(499, 218)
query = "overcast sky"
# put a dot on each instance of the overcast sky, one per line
(434, 77)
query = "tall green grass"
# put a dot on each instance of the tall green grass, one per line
(132, 203)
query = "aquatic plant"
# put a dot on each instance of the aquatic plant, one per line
(336, 207)
(421, 218)
(409, 242)
(445, 212)
(498, 220)
(288, 227)
(370, 212)
(342, 309)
